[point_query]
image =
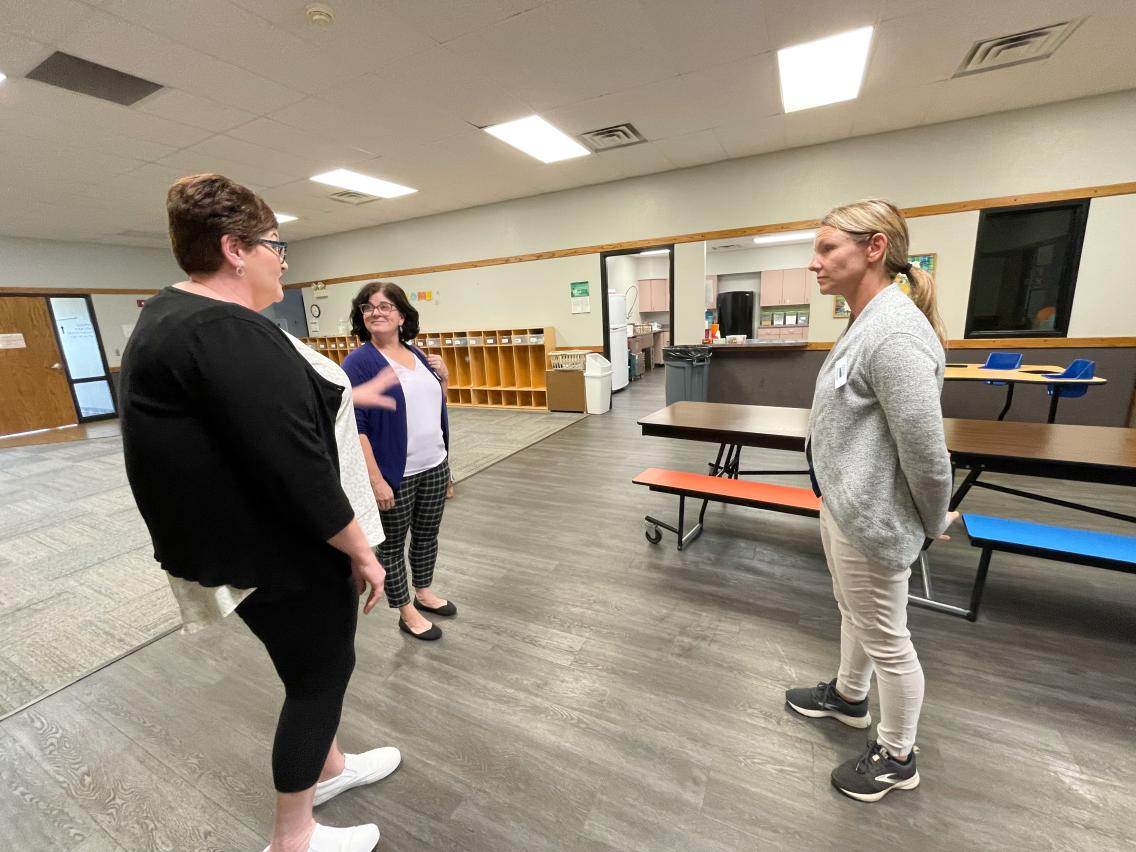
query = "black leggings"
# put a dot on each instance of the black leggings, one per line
(310, 637)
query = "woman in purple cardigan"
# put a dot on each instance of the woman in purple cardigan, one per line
(406, 450)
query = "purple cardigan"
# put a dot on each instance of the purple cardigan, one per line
(386, 430)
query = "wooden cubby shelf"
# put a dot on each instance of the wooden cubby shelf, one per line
(489, 368)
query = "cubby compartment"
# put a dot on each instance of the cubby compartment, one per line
(498, 367)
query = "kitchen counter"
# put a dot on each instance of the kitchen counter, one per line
(752, 346)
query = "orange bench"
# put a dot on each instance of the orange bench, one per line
(741, 492)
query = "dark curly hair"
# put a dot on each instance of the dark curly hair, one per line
(202, 209)
(392, 291)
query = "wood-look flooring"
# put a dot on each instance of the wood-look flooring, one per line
(597, 692)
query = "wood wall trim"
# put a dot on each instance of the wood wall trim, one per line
(73, 291)
(1023, 343)
(1100, 191)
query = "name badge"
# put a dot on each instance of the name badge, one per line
(842, 372)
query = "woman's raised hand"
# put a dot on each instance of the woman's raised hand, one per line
(373, 393)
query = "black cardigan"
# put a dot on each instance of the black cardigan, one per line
(229, 437)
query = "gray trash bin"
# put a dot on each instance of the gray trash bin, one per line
(688, 369)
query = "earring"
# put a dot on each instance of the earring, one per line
(241, 269)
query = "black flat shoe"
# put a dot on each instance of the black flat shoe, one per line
(435, 632)
(446, 609)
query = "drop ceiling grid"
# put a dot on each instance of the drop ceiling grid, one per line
(694, 78)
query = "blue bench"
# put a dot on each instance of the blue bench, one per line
(1061, 544)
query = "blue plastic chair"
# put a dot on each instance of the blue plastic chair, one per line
(1081, 368)
(1003, 361)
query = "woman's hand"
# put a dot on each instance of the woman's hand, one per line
(367, 571)
(951, 518)
(373, 393)
(384, 494)
(438, 366)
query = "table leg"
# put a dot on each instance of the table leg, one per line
(1009, 400)
(1053, 406)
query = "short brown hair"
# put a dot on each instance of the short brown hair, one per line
(202, 209)
(397, 296)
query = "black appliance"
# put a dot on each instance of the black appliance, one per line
(735, 313)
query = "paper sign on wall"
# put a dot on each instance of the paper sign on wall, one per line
(422, 296)
(12, 341)
(581, 300)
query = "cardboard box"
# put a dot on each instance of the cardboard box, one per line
(565, 390)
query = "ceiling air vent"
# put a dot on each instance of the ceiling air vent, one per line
(1004, 51)
(607, 138)
(89, 78)
(349, 196)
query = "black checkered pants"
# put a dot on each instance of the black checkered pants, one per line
(418, 505)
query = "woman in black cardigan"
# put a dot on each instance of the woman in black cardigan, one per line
(231, 455)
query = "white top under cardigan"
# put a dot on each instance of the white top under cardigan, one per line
(203, 605)
(425, 446)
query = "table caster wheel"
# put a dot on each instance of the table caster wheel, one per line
(654, 535)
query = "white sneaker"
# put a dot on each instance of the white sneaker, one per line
(359, 769)
(354, 838)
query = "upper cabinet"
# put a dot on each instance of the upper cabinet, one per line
(772, 285)
(711, 292)
(654, 294)
(784, 287)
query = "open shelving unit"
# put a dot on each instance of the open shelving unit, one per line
(489, 368)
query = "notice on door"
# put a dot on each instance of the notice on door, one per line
(13, 341)
(581, 300)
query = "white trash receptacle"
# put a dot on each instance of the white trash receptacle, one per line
(597, 383)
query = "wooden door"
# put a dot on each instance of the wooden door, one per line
(33, 381)
(771, 287)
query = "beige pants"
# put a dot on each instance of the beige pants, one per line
(874, 637)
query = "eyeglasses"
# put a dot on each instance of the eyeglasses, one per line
(278, 246)
(383, 308)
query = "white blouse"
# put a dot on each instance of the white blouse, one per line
(425, 446)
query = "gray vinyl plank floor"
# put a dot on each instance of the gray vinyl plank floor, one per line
(597, 692)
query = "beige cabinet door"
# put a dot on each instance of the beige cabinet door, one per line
(646, 296)
(794, 287)
(662, 294)
(771, 287)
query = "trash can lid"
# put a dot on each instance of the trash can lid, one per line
(596, 365)
(686, 353)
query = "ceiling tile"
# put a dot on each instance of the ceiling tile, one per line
(693, 149)
(687, 36)
(568, 51)
(194, 110)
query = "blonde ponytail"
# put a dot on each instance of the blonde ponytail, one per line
(879, 216)
(922, 285)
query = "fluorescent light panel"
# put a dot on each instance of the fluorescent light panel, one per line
(539, 139)
(281, 218)
(825, 71)
(345, 179)
(785, 238)
(653, 252)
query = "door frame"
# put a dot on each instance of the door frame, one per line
(603, 287)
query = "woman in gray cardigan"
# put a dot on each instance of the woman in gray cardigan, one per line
(879, 459)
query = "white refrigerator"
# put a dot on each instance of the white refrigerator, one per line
(617, 334)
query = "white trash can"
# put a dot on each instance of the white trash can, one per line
(597, 383)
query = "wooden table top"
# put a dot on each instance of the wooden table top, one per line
(1027, 374)
(971, 440)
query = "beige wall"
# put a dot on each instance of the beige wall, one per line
(1104, 303)
(1046, 148)
(511, 296)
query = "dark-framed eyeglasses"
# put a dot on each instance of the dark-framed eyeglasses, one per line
(383, 308)
(278, 246)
